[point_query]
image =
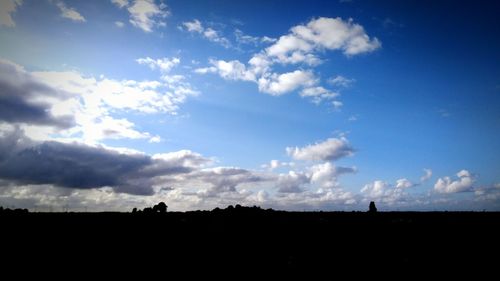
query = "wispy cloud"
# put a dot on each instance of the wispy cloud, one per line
(68, 12)
(7, 8)
(195, 26)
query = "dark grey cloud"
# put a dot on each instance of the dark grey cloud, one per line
(75, 165)
(226, 179)
(23, 99)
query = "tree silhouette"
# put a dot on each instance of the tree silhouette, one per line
(161, 207)
(372, 208)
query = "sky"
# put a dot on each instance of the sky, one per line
(301, 105)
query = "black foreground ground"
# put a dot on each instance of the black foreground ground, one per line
(247, 240)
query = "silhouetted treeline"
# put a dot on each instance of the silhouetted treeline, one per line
(158, 208)
(13, 211)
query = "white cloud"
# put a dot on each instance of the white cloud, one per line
(69, 13)
(242, 38)
(83, 106)
(120, 3)
(341, 81)
(214, 36)
(322, 33)
(326, 174)
(318, 94)
(375, 189)
(301, 45)
(163, 64)
(330, 150)
(108, 127)
(279, 84)
(119, 24)
(404, 183)
(7, 8)
(337, 104)
(209, 33)
(275, 164)
(260, 64)
(427, 175)
(193, 26)
(291, 49)
(266, 39)
(205, 70)
(145, 14)
(231, 70)
(337, 34)
(462, 184)
(155, 139)
(384, 192)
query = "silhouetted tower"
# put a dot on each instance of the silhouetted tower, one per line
(372, 208)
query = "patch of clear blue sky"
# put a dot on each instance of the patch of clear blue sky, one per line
(439, 56)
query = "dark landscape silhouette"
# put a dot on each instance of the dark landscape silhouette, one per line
(240, 237)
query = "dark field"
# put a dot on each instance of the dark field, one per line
(250, 239)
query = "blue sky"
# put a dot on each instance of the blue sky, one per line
(291, 105)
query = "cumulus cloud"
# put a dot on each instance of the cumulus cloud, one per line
(145, 14)
(99, 95)
(427, 175)
(462, 184)
(232, 70)
(326, 174)
(375, 189)
(68, 12)
(277, 85)
(323, 176)
(7, 8)
(321, 33)
(386, 193)
(329, 150)
(84, 105)
(195, 26)
(76, 165)
(337, 34)
(163, 64)
(393, 194)
(302, 45)
(119, 24)
(404, 183)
